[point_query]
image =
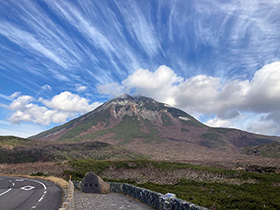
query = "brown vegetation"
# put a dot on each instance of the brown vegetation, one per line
(47, 168)
(160, 176)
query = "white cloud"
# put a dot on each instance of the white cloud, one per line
(264, 90)
(204, 95)
(114, 89)
(220, 123)
(20, 102)
(15, 94)
(249, 121)
(80, 88)
(161, 84)
(59, 109)
(69, 102)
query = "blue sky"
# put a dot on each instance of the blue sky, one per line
(217, 60)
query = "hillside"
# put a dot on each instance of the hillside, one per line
(9, 142)
(143, 125)
(266, 150)
(20, 150)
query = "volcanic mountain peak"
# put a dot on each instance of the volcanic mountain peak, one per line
(139, 106)
(138, 120)
(145, 114)
(127, 99)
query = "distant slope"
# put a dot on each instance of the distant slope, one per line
(12, 141)
(20, 150)
(268, 150)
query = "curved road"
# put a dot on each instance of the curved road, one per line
(26, 194)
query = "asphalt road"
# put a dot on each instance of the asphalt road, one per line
(27, 194)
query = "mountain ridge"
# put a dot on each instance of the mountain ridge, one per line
(138, 122)
(139, 106)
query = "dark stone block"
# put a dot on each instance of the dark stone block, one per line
(94, 184)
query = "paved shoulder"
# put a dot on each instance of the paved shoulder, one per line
(112, 201)
(25, 194)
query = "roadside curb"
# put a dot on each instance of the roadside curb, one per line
(68, 203)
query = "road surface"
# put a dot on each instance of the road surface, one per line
(27, 194)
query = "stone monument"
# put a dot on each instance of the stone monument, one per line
(94, 184)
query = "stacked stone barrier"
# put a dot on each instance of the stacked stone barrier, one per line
(153, 199)
(68, 203)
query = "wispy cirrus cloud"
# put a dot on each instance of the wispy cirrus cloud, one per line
(101, 44)
(245, 30)
(42, 39)
(5, 97)
(28, 42)
(140, 27)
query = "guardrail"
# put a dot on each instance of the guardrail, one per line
(68, 203)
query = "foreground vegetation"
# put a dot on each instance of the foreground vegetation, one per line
(250, 187)
(213, 188)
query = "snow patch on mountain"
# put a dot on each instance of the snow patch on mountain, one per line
(184, 118)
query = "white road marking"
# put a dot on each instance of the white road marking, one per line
(12, 182)
(34, 180)
(42, 196)
(28, 187)
(5, 191)
(33, 207)
(19, 180)
(45, 188)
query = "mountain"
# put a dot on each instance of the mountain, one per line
(156, 129)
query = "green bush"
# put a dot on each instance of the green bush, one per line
(40, 173)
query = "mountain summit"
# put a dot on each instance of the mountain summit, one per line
(128, 118)
(143, 124)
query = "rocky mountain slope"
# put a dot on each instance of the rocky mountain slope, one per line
(144, 125)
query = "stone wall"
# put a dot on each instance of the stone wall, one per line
(153, 199)
(68, 203)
